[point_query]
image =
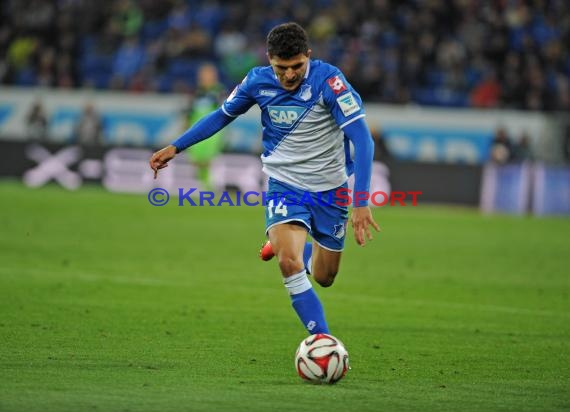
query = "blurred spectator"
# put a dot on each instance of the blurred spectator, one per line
(512, 54)
(522, 150)
(566, 144)
(209, 95)
(230, 42)
(89, 128)
(64, 73)
(180, 17)
(128, 17)
(487, 93)
(20, 56)
(381, 151)
(501, 147)
(129, 59)
(37, 122)
(198, 44)
(46, 75)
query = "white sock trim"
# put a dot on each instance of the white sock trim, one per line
(297, 283)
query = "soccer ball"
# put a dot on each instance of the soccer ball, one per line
(321, 358)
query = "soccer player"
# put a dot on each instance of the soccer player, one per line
(309, 113)
(208, 96)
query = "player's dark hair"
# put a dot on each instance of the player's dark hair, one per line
(287, 40)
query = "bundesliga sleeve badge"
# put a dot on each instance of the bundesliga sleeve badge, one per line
(336, 84)
(348, 104)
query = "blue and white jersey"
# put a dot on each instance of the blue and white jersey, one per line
(303, 142)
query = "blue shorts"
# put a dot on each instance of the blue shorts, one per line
(319, 212)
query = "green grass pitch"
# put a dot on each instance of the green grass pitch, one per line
(110, 304)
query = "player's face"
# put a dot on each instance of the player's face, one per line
(290, 72)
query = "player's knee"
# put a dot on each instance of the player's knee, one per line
(289, 264)
(327, 280)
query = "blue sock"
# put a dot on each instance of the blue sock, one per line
(306, 303)
(307, 256)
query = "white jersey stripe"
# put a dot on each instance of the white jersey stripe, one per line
(352, 120)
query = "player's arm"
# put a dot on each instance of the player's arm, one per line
(204, 128)
(361, 218)
(238, 102)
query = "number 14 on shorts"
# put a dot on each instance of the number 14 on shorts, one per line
(279, 209)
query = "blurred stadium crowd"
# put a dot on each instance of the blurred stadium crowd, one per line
(477, 53)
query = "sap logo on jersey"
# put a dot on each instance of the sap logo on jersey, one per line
(285, 116)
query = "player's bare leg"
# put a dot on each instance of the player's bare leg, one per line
(287, 243)
(325, 265)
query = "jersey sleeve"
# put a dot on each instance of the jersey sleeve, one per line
(240, 99)
(343, 101)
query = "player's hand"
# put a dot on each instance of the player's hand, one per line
(361, 221)
(160, 159)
